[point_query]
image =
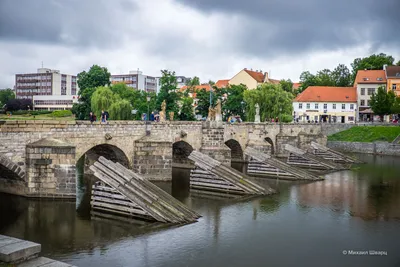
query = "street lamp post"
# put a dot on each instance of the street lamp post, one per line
(211, 91)
(148, 114)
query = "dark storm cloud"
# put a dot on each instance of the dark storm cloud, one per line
(63, 22)
(301, 26)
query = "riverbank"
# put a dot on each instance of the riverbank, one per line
(377, 148)
(367, 134)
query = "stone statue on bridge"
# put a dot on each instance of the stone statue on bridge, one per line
(215, 114)
(257, 116)
(163, 113)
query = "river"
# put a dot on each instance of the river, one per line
(306, 224)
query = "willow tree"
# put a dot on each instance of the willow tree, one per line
(274, 102)
(102, 99)
(120, 110)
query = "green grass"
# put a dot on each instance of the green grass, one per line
(367, 134)
(37, 117)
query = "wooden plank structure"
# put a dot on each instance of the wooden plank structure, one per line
(304, 159)
(212, 176)
(264, 165)
(126, 193)
(330, 154)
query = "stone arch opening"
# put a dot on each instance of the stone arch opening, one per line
(10, 170)
(108, 151)
(269, 141)
(236, 150)
(180, 153)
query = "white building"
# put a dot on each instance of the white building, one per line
(326, 104)
(136, 80)
(54, 102)
(367, 83)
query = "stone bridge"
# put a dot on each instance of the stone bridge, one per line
(38, 158)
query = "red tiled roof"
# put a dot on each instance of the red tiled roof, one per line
(327, 94)
(258, 76)
(222, 83)
(370, 76)
(273, 81)
(296, 85)
(197, 87)
(392, 71)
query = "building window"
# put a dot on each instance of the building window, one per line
(333, 106)
(350, 118)
(394, 86)
(362, 91)
(368, 103)
(371, 91)
(362, 102)
(351, 106)
(343, 106)
(308, 105)
(325, 106)
(300, 105)
(316, 105)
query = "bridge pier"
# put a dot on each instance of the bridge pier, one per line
(50, 169)
(213, 144)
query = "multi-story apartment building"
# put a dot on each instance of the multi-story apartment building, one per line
(326, 104)
(44, 82)
(367, 83)
(393, 78)
(136, 80)
(48, 89)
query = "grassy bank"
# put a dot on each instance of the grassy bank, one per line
(27, 117)
(367, 134)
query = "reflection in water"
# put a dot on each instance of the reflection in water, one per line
(306, 224)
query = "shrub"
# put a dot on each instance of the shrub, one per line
(285, 118)
(61, 113)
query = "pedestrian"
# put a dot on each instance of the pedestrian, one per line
(92, 117)
(103, 117)
(152, 116)
(106, 116)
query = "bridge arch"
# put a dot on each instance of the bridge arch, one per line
(9, 169)
(110, 152)
(180, 153)
(236, 150)
(269, 141)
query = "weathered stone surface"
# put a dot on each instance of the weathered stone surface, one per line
(16, 250)
(381, 148)
(44, 262)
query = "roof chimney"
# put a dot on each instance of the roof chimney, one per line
(245, 68)
(384, 67)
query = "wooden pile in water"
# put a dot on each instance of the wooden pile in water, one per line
(212, 176)
(330, 154)
(303, 159)
(262, 164)
(146, 199)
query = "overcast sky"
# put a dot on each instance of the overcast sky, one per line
(212, 39)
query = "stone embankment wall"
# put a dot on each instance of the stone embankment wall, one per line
(381, 148)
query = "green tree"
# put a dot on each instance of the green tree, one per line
(234, 103)
(6, 95)
(373, 62)
(193, 81)
(88, 82)
(273, 101)
(139, 103)
(382, 102)
(341, 76)
(120, 110)
(212, 83)
(286, 85)
(396, 106)
(398, 63)
(325, 78)
(168, 92)
(203, 102)
(307, 79)
(102, 99)
(186, 113)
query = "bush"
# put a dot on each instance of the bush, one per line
(285, 118)
(40, 112)
(27, 112)
(61, 113)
